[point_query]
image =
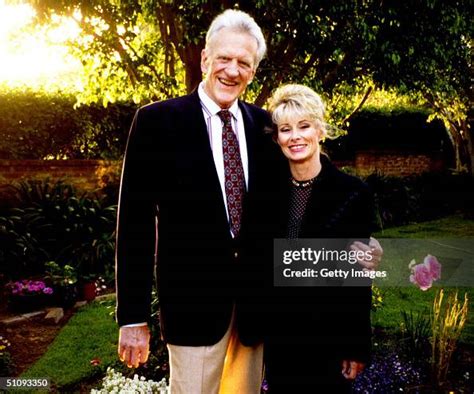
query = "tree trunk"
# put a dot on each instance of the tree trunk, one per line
(192, 64)
(462, 144)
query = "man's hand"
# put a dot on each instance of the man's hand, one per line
(134, 345)
(375, 250)
(350, 369)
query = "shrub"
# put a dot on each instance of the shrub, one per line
(420, 198)
(21, 253)
(35, 125)
(396, 199)
(56, 224)
(416, 337)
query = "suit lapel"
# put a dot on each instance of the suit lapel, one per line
(199, 142)
(196, 166)
(198, 136)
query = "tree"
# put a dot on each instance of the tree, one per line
(150, 49)
(429, 44)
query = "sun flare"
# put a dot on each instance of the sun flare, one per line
(35, 58)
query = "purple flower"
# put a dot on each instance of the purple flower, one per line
(29, 287)
(387, 373)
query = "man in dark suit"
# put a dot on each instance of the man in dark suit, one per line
(190, 170)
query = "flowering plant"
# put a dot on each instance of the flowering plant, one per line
(4, 344)
(115, 382)
(423, 275)
(387, 373)
(6, 365)
(29, 287)
(448, 316)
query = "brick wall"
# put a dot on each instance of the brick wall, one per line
(90, 175)
(396, 163)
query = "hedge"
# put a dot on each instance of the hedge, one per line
(38, 125)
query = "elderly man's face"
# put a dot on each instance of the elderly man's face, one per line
(229, 65)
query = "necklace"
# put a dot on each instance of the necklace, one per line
(302, 183)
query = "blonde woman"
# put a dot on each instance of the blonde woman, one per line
(319, 337)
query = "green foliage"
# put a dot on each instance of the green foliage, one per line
(426, 47)
(41, 193)
(89, 239)
(55, 223)
(420, 198)
(396, 126)
(149, 50)
(416, 330)
(35, 125)
(63, 280)
(21, 253)
(38, 125)
(6, 362)
(121, 49)
(134, 43)
(377, 298)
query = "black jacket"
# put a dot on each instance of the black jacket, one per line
(334, 319)
(172, 212)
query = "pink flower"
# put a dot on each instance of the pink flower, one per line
(434, 266)
(48, 290)
(421, 276)
(424, 274)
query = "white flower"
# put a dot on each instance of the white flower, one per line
(115, 382)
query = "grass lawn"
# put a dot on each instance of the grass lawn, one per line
(90, 334)
(445, 239)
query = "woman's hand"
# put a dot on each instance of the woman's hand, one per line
(375, 251)
(350, 369)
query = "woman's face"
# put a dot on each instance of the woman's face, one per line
(298, 138)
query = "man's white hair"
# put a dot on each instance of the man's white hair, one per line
(241, 22)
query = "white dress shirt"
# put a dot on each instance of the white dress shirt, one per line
(214, 130)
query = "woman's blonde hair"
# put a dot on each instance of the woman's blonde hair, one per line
(297, 100)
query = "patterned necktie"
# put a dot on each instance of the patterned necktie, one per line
(233, 171)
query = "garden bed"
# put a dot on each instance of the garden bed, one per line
(29, 338)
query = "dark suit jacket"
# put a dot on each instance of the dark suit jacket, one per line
(172, 212)
(333, 320)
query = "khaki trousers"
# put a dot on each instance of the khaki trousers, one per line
(228, 367)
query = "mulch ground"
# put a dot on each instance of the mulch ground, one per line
(30, 338)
